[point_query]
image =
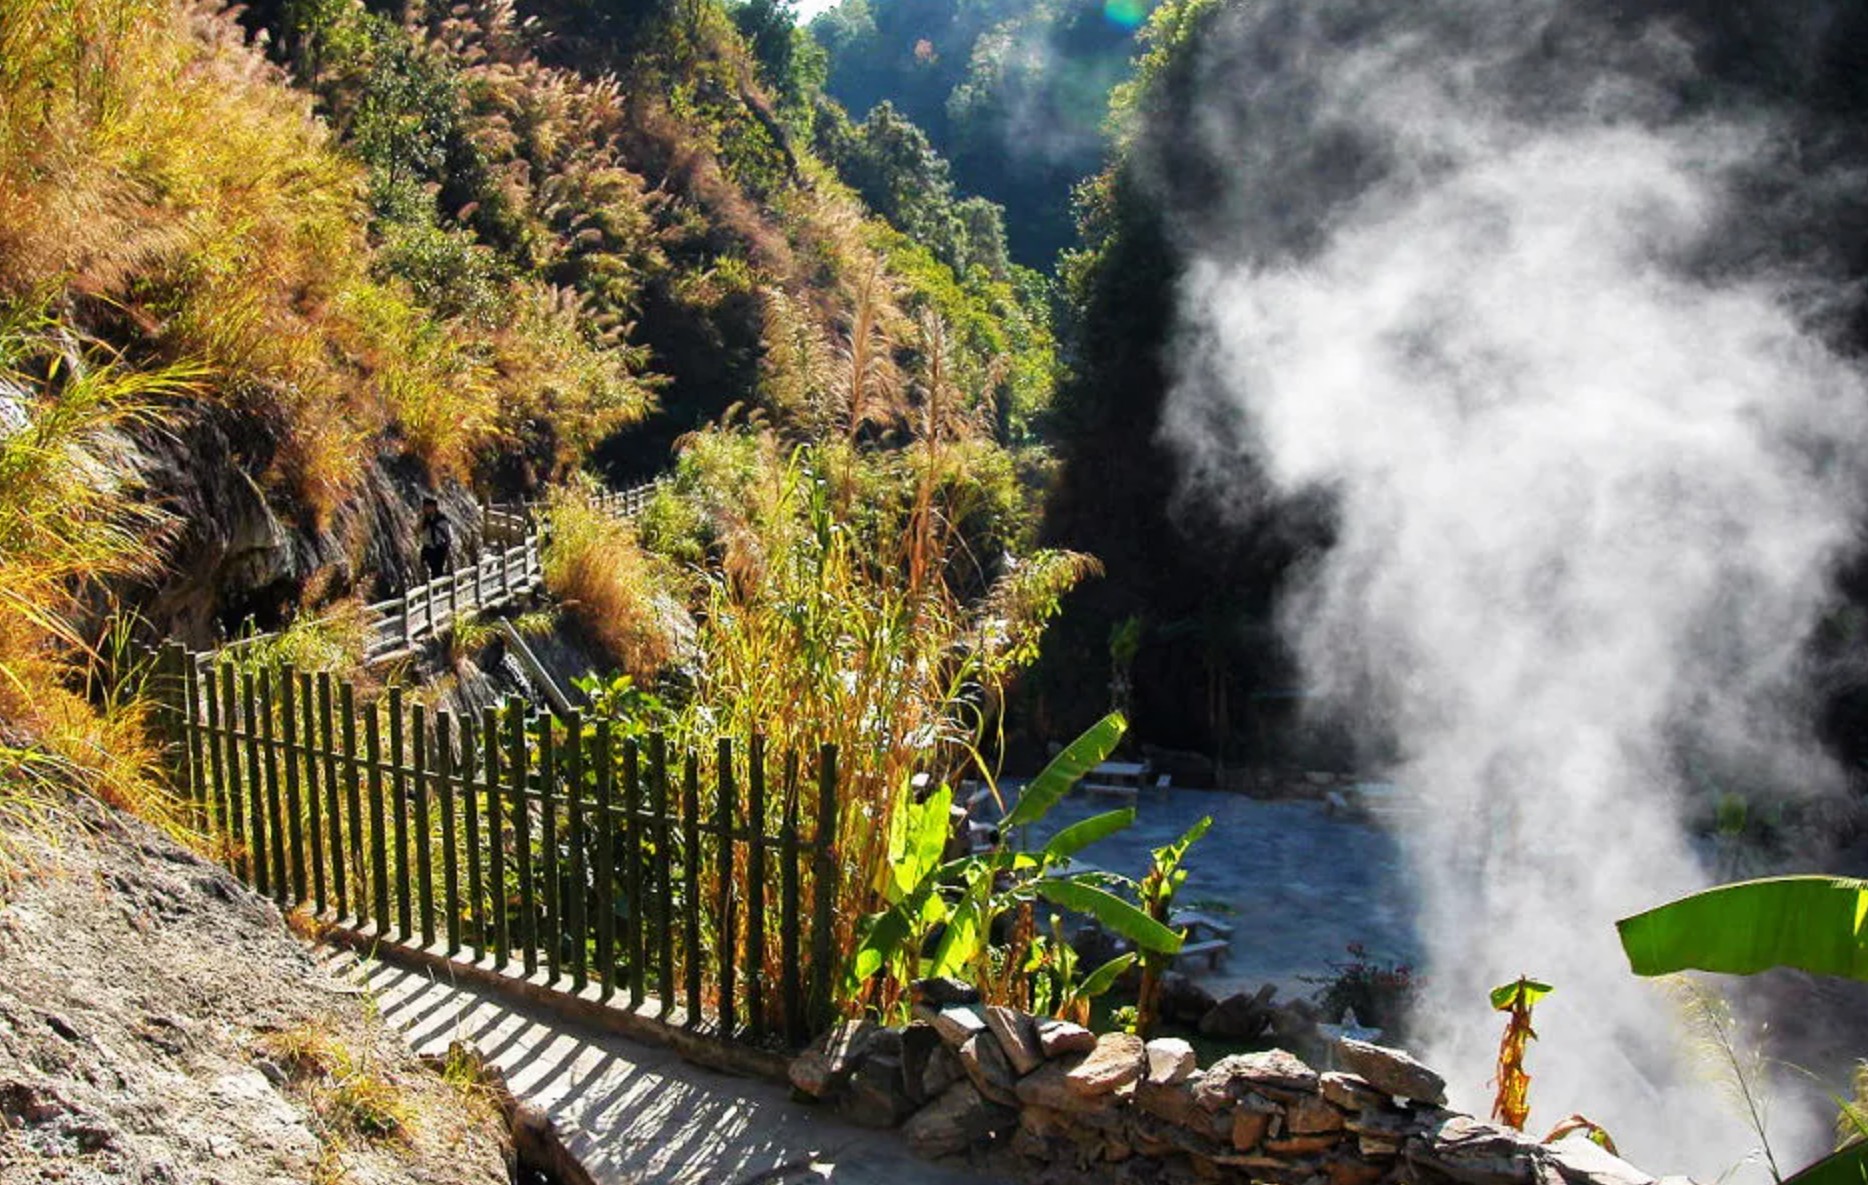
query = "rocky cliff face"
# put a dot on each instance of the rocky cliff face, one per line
(159, 1023)
(240, 556)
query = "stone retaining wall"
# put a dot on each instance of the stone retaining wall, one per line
(1072, 1106)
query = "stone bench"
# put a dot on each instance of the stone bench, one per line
(1213, 949)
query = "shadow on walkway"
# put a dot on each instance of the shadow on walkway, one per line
(637, 1114)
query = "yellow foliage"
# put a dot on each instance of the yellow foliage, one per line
(68, 522)
(610, 587)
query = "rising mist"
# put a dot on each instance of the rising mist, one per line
(1494, 278)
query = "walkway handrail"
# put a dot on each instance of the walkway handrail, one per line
(498, 577)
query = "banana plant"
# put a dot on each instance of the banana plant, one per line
(1056, 989)
(1156, 891)
(1817, 924)
(961, 899)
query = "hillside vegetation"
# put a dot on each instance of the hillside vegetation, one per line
(1013, 92)
(338, 259)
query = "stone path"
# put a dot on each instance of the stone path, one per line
(638, 1115)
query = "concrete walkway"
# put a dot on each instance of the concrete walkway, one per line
(638, 1115)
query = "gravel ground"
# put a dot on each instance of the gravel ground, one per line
(159, 1023)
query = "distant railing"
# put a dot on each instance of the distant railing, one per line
(687, 887)
(509, 566)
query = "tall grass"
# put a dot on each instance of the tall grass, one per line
(834, 620)
(611, 589)
(152, 158)
(69, 522)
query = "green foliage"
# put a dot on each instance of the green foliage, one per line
(965, 898)
(1511, 1105)
(1057, 987)
(1064, 771)
(889, 162)
(1519, 993)
(1812, 923)
(68, 525)
(1379, 992)
(633, 710)
(1012, 91)
(1156, 892)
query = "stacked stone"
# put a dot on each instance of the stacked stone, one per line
(1076, 1106)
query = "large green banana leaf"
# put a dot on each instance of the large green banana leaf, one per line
(1111, 911)
(917, 840)
(1078, 836)
(1847, 1167)
(1812, 923)
(1066, 770)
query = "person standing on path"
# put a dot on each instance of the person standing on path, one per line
(436, 537)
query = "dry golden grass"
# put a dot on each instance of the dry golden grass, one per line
(348, 1092)
(609, 586)
(829, 617)
(150, 158)
(69, 522)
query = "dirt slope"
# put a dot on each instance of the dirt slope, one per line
(159, 1023)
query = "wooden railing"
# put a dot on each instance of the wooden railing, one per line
(693, 887)
(393, 627)
(509, 566)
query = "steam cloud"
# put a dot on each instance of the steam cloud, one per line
(1481, 272)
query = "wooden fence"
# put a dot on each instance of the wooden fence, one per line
(686, 884)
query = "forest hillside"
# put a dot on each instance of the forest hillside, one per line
(1013, 92)
(281, 271)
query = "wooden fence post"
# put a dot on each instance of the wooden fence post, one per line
(200, 792)
(275, 830)
(379, 826)
(256, 798)
(421, 830)
(755, 886)
(518, 771)
(604, 891)
(496, 847)
(726, 940)
(399, 802)
(294, 818)
(635, 929)
(691, 898)
(333, 797)
(790, 916)
(575, 890)
(470, 800)
(552, 936)
(825, 884)
(222, 822)
(353, 800)
(450, 838)
(314, 821)
(664, 872)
